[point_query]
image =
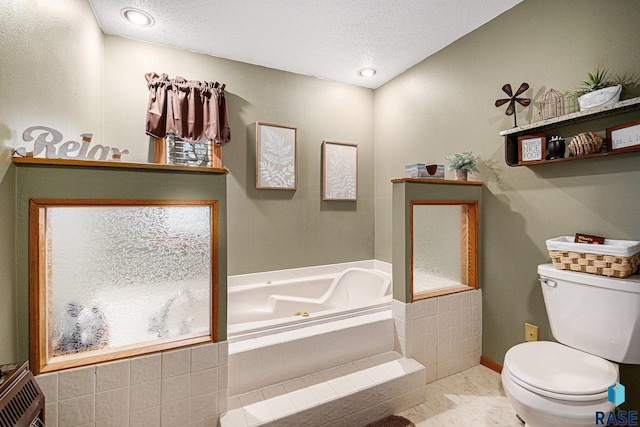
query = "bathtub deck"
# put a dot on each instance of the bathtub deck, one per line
(367, 389)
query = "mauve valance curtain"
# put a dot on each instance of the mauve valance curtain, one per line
(191, 109)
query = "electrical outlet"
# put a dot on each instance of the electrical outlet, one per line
(530, 332)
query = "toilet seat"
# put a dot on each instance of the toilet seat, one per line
(559, 372)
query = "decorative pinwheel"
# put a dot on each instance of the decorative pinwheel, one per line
(511, 109)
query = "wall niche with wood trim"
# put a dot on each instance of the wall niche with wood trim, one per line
(118, 261)
(436, 237)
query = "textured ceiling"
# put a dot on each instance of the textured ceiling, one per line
(329, 39)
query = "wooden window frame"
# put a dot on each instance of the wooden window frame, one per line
(40, 322)
(468, 246)
(160, 152)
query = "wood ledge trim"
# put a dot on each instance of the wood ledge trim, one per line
(435, 181)
(117, 165)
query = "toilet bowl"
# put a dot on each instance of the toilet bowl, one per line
(552, 385)
(596, 321)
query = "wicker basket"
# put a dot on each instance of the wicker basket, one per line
(622, 264)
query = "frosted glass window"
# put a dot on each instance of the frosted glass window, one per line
(125, 277)
(443, 247)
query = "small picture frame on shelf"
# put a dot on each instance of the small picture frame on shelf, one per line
(624, 137)
(532, 148)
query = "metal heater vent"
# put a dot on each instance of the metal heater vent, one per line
(21, 400)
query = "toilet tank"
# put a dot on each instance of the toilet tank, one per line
(596, 314)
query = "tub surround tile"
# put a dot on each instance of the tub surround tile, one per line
(342, 386)
(336, 396)
(444, 304)
(399, 310)
(176, 362)
(318, 348)
(49, 385)
(443, 333)
(132, 392)
(281, 406)
(149, 417)
(244, 345)
(294, 385)
(204, 382)
(175, 388)
(288, 336)
(234, 418)
(145, 395)
(223, 353)
(359, 379)
(273, 391)
(112, 403)
(76, 382)
(204, 406)
(233, 403)
(268, 340)
(302, 399)
(112, 375)
(223, 377)
(207, 422)
(223, 401)
(257, 413)
(175, 414)
(51, 413)
(204, 357)
(323, 392)
(76, 411)
(251, 397)
(121, 420)
(145, 369)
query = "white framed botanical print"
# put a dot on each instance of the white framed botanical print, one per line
(276, 156)
(339, 171)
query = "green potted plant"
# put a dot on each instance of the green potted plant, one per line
(462, 164)
(600, 89)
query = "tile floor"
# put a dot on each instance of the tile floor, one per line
(471, 398)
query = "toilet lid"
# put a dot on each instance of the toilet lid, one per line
(560, 369)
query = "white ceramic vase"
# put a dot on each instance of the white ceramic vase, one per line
(600, 97)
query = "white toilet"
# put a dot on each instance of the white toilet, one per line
(597, 321)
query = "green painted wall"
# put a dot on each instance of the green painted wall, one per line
(51, 75)
(445, 104)
(268, 229)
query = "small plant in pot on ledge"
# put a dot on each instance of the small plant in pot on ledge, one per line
(600, 89)
(462, 164)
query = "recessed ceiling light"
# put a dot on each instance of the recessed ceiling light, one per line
(137, 17)
(367, 72)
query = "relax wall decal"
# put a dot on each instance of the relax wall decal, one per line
(48, 139)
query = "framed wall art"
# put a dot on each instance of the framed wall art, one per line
(339, 171)
(532, 148)
(276, 156)
(624, 137)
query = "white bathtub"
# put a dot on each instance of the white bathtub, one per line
(262, 308)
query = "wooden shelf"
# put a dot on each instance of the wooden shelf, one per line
(581, 121)
(436, 181)
(114, 164)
